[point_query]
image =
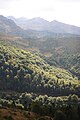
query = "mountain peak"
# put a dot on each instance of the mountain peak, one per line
(22, 18)
(11, 17)
(54, 21)
(38, 20)
(2, 17)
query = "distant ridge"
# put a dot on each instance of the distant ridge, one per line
(9, 27)
(23, 26)
(41, 24)
(19, 21)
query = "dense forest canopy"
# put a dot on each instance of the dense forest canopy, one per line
(22, 71)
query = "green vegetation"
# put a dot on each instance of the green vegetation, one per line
(42, 84)
(22, 71)
(37, 79)
(60, 50)
(65, 107)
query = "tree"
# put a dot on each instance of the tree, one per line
(36, 107)
(59, 115)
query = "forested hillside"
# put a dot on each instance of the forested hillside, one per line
(39, 71)
(22, 71)
(60, 50)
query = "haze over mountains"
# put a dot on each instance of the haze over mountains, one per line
(23, 26)
(40, 24)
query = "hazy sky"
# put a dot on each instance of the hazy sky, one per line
(67, 11)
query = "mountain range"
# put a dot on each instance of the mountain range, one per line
(39, 24)
(23, 27)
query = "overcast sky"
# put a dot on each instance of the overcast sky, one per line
(67, 11)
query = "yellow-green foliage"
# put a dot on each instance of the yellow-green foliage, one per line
(20, 70)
